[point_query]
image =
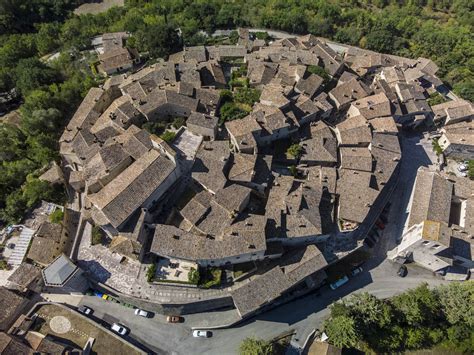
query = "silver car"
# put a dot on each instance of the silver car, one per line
(142, 313)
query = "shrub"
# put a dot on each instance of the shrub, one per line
(4, 265)
(435, 99)
(150, 272)
(178, 122)
(230, 111)
(247, 96)
(315, 69)
(212, 278)
(97, 235)
(436, 147)
(295, 151)
(252, 346)
(57, 216)
(193, 276)
(293, 170)
(155, 127)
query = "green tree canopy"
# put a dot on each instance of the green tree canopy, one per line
(341, 331)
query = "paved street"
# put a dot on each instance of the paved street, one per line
(302, 315)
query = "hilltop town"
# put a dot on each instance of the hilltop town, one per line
(239, 177)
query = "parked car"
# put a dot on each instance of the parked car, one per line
(356, 271)
(369, 243)
(402, 271)
(462, 167)
(119, 329)
(85, 310)
(174, 319)
(383, 218)
(463, 174)
(142, 313)
(339, 283)
(202, 334)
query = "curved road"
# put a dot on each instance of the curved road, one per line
(302, 315)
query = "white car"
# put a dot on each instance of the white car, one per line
(462, 167)
(141, 313)
(85, 310)
(119, 329)
(463, 174)
(202, 334)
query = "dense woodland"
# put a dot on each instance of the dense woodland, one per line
(29, 29)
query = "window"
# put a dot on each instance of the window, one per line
(436, 246)
(426, 242)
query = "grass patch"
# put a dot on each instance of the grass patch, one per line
(57, 216)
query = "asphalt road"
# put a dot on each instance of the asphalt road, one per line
(305, 314)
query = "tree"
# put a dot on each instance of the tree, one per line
(41, 121)
(47, 39)
(341, 331)
(252, 346)
(418, 306)
(369, 311)
(456, 302)
(32, 74)
(12, 142)
(35, 190)
(15, 206)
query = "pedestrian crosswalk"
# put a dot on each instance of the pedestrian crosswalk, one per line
(21, 246)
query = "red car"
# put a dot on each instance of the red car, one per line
(380, 224)
(174, 319)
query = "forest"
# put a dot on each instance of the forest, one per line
(51, 91)
(440, 319)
